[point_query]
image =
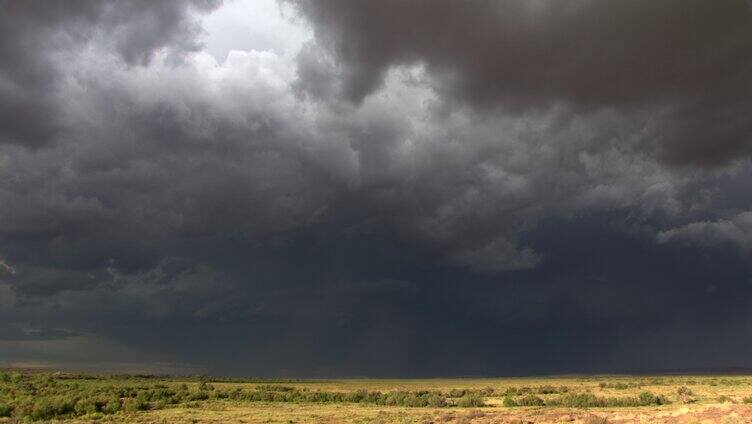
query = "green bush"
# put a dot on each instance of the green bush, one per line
(5, 410)
(86, 406)
(530, 400)
(436, 401)
(133, 405)
(112, 406)
(587, 400)
(42, 410)
(579, 400)
(470, 401)
(648, 398)
(517, 391)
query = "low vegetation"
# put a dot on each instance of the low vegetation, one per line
(587, 400)
(42, 396)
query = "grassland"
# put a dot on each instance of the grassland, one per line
(79, 398)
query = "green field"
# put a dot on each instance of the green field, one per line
(71, 397)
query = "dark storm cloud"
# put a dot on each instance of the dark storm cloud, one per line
(16, 332)
(681, 68)
(36, 38)
(244, 204)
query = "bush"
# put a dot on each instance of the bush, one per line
(647, 398)
(580, 400)
(724, 399)
(456, 393)
(133, 405)
(112, 406)
(747, 399)
(548, 390)
(587, 400)
(618, 386)
(86, 406)
(42, 410)
(684, 391)
(530, 400)
(436, 401)
(5, 411)
(470, 401)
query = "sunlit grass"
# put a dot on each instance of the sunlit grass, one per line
(42, 397)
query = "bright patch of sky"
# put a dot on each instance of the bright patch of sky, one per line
(254, 25)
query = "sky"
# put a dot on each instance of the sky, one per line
(333, 188)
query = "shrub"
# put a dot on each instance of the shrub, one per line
(112, 406)
(684, 391)
(470, 400)
(580, 400)
(546, 390)
(86, 406)
(509, 402)
(724, 399)
(22, 409)
(42, 410)
(618, 386)
(200, 395)
(530, 400)
(456, 393)
(5, 410)
(436, 401)
(647, 398)
(4, 377)
(133, 405)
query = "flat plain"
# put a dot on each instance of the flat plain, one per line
(84, 398)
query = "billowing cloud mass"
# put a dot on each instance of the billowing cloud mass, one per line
(679, 69)
(37, 38)
(333, 187)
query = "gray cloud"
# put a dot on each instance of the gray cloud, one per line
(38, 37)
(679, 68)
(388, 190)
(736, 230)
